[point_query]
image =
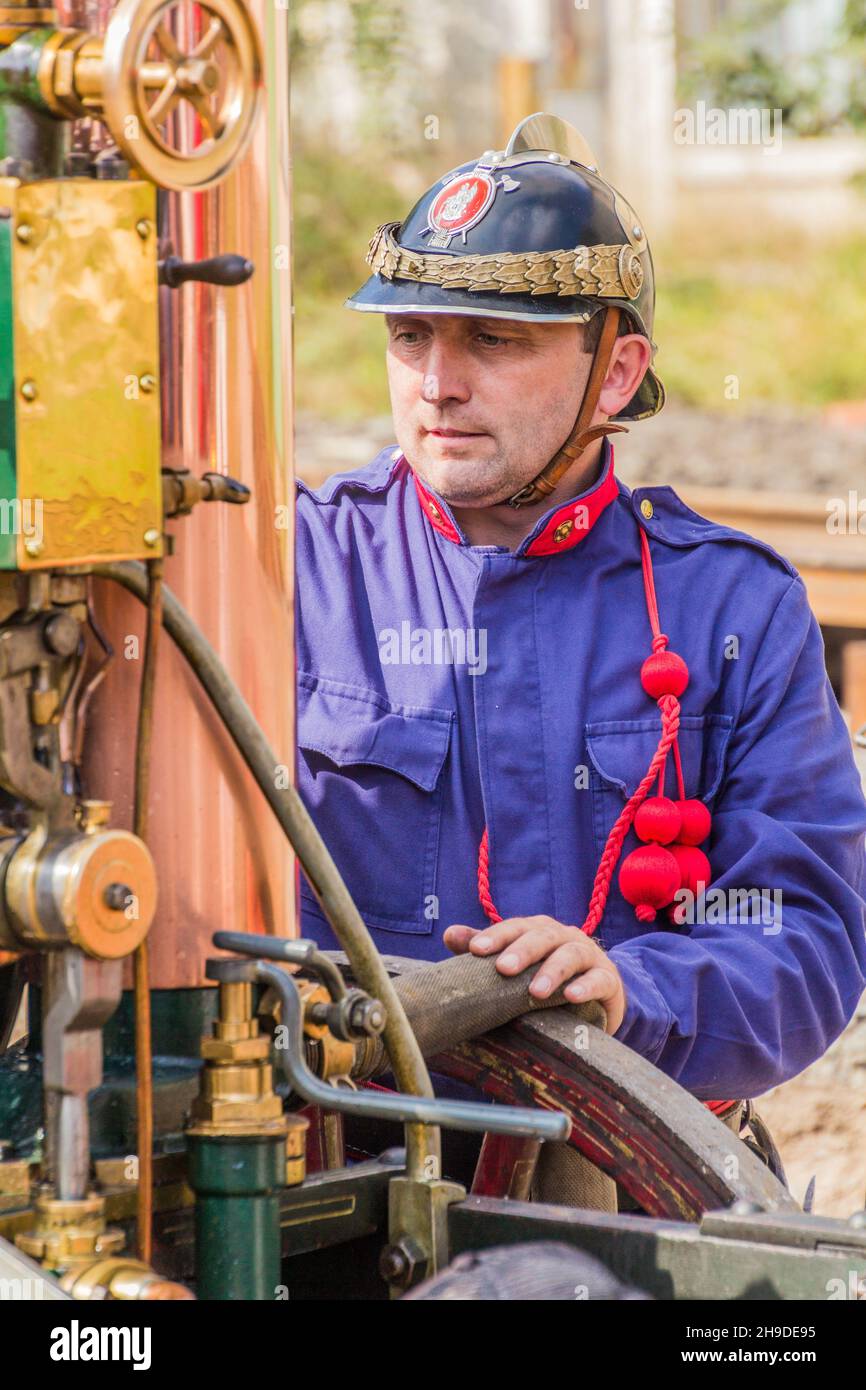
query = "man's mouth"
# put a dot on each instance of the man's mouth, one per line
(457, 434)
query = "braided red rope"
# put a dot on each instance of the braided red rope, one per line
(670, 711)
(669, 706)
(484, 880)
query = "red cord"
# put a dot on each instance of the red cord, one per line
(670, 712)
(484, 880)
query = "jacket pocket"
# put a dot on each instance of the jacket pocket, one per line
(619, 753)
(369, 772)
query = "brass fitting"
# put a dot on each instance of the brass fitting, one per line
(329, 1057)
(334, 1058)
(236, 1094)
(69, 1234)
(19, 16)
(296, 1149)
(95, 890)
(122, 1279)
(14, 1180)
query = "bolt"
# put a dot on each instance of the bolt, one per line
(147, 382)
(116, 896)
(151, 536)
(24, 231)
(403, 1264)
(61, 634)
(77, 163)
(637, 232)
(142, 226)
(29, 389)
(367, 1017)
(33, 547)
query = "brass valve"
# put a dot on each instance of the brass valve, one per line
(137, 75)
(236, 1095)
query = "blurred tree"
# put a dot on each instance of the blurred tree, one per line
(735, 66)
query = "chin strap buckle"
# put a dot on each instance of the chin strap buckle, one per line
(542, 486)
(583, 433)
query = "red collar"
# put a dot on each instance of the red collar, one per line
(559, 529)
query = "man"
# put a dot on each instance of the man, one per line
(475, 607)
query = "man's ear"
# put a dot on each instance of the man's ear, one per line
(628, 364)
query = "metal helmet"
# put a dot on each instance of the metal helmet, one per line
(529, 232)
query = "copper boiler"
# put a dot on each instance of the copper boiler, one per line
(225, 367)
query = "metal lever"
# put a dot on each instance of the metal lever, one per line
(450, 1114)
(228, 269)
(181, 491)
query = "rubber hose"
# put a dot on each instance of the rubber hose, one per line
(451, 1001)
(422, 1141)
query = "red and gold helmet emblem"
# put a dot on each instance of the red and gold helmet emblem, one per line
(461, 204)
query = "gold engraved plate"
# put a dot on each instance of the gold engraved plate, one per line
(85, 335)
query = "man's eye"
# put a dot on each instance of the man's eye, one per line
(407, 336)
(491, 339)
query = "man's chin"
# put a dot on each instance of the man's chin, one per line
(461, 482)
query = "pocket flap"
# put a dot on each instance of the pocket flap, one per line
(351, 725)
(621, 751)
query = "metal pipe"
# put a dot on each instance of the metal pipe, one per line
(455, 1114)
(410, 1070)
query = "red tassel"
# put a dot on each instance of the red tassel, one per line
(664, 673)
(658, 819)
(696, 822)
(648, 879)
(694, 866)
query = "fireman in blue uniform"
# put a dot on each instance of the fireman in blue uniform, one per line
(479, 734)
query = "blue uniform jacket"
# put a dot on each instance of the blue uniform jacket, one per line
(444, 686)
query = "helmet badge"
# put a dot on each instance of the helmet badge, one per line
(462, 203)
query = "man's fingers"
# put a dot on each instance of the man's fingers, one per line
(529, 947)
(561, 965)
(458, 937)
(494, 938)
(597, 983)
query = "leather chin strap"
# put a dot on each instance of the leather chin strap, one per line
(583, 433)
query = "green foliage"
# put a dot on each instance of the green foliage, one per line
(782, 313)
(729, 68)
(338, 204)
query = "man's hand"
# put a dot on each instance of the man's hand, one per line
(567, 953)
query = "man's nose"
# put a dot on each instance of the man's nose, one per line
(444, 376)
